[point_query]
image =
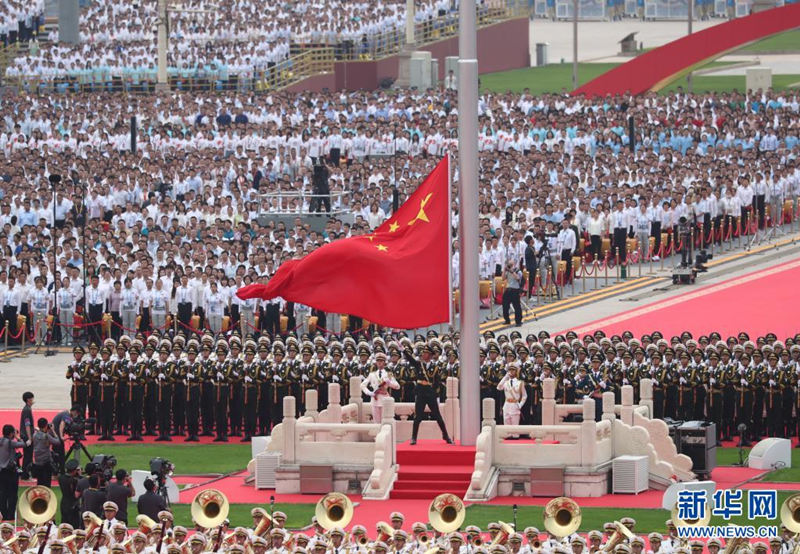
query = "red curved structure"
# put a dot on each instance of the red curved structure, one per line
(656, 68)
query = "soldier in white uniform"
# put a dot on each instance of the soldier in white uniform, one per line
(377, 385)
(514, 389)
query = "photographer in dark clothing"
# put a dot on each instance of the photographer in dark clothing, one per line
(321, 189)
(68, 483)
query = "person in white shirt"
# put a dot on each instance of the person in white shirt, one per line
(65, 301)
(129, 306)
(158, 300)
(96, 297)
(214, 303)
(642, 225)
(377, 385)
(40, 301)
(596, 227)
(567, 242)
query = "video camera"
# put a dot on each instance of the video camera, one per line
(102, 465)
(77, 427)
(161, 468)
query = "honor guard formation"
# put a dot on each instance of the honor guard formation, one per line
(198, 385)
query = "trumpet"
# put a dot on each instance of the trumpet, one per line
(363, 540)
(477, 541)
(424, 539)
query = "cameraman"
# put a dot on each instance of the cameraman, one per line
(150, 503)
(513, 278)
(94, 497)
(9, 478)
(63, 423)
(119, 492)
(320, 187)
(43, 439)
(68, 483)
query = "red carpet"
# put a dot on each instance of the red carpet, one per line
(430, 466)
(758, 303)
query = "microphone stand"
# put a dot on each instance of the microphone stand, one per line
(515, 517)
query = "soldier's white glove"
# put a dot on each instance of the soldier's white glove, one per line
(370, 393)
(603, 384)
(683, 381)
(131, 377)
(103, 377)
(247, 379)
(335, 378)
(305, 378)
(161, 376)
(220, 376)
(276, 378)
(712, 381)
(772, 383)
(744, 382)
(625, 381)
(147, 372)
(655, 383)
(190, 375)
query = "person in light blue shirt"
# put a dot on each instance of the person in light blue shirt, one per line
(26, 216)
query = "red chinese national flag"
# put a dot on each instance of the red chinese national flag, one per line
(397, 276)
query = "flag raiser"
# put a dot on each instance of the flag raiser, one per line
(397, 276)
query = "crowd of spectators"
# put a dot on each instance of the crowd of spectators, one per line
(216, 40)
(20, 20)
(187, 202)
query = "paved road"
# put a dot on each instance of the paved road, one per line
(600, 39)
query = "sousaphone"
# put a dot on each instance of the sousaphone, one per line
(446, 513)
(562, 517)
(210, 508)
(38, 505)
(334, 510)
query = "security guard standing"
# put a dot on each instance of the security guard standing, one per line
(236, 380)
(426, 377)
(108, 383)
(729, 378)
(715, 381)
(697, 380)
(77, 371)
(222, 390)
(191, 371)
(321, 374)
(599, 384)
(759, 385)
(744, 393)
(264, 384)
(660, 376)
(165, 377)
(250, 384)
(122, 408)
(151, 388)
(178, 387)
(776, 382)
(207, 388)
(136, 378)
(685, 387)
(280, 382)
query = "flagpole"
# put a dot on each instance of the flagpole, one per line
(470, 406)
(451, 319)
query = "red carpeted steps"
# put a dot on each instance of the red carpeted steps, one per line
(432, 467)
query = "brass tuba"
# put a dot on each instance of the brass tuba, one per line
(502, 537)
(334, 510)
(210, 508)
(446, 513)
(38, 505)
(790, 513)
(562, 517)
(385, 531)
(617, 537)
(679, 522)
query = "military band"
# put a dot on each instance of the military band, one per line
(199, 385)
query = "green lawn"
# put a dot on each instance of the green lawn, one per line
(189, 459)
(550, 78)
(557, 78)
(788, 41)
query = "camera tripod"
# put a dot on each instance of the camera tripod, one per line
(75, 450)
(769, 232)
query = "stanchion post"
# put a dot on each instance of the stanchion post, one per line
(5, 342)
(583, 277)
(616, 258)
(175, 324)
(23, 335)
(596, 271)
(640, 261)
(572, 280)
(606, 271)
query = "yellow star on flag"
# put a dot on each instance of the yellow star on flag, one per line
(382, 247)
(370, 237)
(393, 226)
(422, 216)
